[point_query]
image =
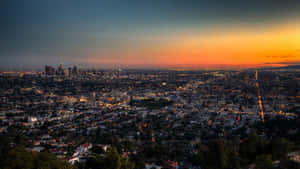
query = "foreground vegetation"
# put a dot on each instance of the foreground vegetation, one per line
(20, 158)
(237, 155)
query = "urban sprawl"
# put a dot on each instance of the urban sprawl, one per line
(154, 118)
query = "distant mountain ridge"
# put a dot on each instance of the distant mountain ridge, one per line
(284, 67)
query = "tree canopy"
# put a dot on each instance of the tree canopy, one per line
(20, 158)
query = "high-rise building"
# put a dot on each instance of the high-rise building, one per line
(79, 71)
(49, 70)
(67, 72)
(60, 70)
(74, 71)
(60, 67)
(70, 71)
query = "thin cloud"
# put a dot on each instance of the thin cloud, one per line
(286, 63)
(282, 56)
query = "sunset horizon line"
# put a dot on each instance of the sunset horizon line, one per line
(177, 67)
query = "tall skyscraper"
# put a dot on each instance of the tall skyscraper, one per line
(49, 70)
(60, 70)
(75, 71)
(70, 71)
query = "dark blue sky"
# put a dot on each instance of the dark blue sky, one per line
(37, 32)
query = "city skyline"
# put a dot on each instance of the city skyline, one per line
(150, 34)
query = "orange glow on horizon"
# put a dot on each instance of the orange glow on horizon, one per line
(269, 47)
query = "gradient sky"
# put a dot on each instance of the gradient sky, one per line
(150, 33)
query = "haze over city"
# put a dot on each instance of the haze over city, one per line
(150, 34)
